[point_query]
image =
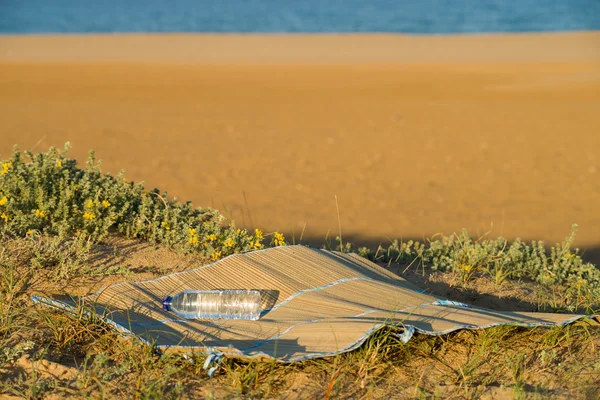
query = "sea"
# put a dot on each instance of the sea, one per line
(297, 16)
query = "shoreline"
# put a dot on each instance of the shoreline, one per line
(308, 34)
(302, 48)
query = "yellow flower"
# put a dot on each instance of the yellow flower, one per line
(194, 240)
(216, 255)
(192, 231)
(105, 203)
(278, 239)
(466, 267)
(3, 201)
(5, 167)
(258, 234)
(239, 231)
(90, 204)
(40, 213)
(165, 225)
(29, 232)
(257, 245)
(212, 237)
(229, 242)
(89, 215)
(4, 217)
(59, 163)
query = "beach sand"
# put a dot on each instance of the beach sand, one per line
(413, 135)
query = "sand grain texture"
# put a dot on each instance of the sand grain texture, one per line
(415, 135)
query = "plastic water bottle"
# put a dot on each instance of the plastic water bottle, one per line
(215, 304)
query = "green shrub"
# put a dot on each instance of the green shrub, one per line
(50, 195)
(497, 257)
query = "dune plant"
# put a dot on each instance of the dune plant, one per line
(498, 258)
(48, 194)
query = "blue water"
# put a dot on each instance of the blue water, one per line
(408, 16)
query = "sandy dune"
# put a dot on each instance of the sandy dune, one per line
(415, 135)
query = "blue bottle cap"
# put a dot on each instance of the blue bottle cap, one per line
(166, 304)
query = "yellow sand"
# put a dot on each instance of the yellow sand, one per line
(414, 135)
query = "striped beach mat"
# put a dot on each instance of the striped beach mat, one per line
(315, 303)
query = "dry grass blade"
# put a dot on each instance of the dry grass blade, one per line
(331, 384)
